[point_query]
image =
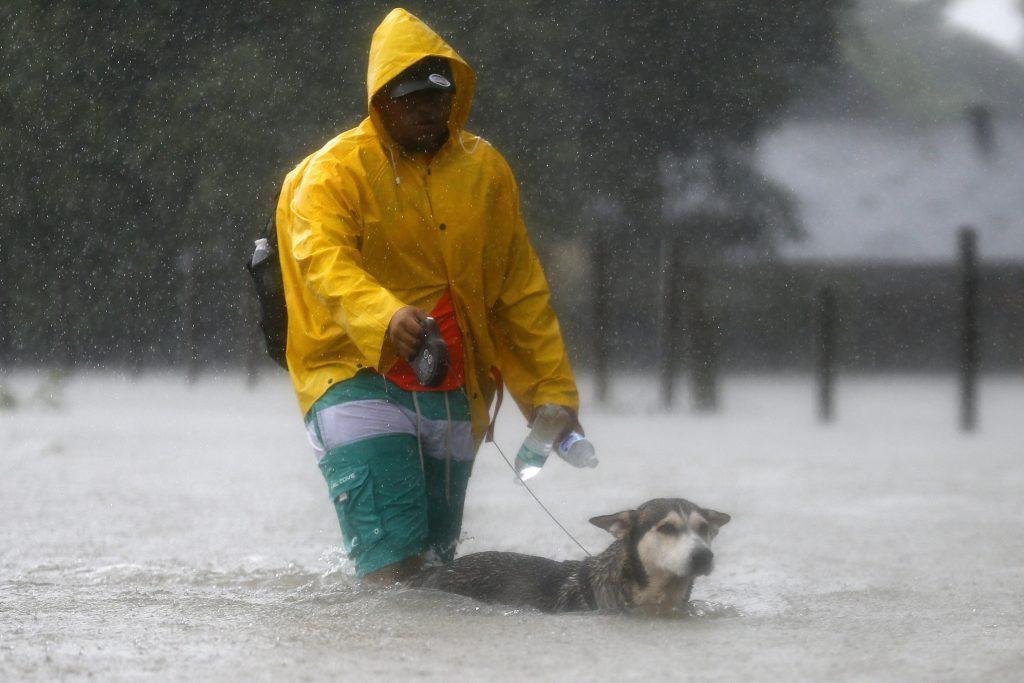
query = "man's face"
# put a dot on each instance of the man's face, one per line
(417, 121)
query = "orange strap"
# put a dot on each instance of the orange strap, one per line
(499, 390)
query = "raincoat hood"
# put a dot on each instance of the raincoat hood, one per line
(400, 41)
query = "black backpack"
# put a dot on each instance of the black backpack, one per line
(265, 269)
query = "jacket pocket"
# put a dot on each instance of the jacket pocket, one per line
(351, 490)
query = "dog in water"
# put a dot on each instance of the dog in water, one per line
(660, 548)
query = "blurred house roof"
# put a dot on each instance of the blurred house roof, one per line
(867, 190)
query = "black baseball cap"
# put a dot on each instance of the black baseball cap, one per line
(432, 72)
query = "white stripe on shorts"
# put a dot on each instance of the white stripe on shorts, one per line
(347, 423)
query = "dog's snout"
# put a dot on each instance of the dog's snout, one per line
(701, 561)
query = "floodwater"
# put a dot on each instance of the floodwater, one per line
(151, 528)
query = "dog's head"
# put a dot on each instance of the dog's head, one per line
(669, 535)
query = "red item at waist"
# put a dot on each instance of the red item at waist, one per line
(401, 372)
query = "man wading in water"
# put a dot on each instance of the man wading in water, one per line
(404, 214)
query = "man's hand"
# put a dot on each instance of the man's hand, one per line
(574, 423)
(405, 332)
(576, 426)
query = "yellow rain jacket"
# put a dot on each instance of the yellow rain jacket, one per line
(365, 229)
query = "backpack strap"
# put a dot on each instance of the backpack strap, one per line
(270, 229)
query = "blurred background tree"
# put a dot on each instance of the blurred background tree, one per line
(134, 134)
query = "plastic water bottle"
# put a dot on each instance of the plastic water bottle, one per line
(577, 450)
(548, 425)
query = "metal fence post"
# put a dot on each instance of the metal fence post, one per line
(188, 305)
(968, 329)
(6, 333)
(250, 338)
(668, 316)
(703, 339)
(826, 352)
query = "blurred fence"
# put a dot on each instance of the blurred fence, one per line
(852, 317)
(891, 316)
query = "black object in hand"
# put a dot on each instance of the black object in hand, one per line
(431, 362)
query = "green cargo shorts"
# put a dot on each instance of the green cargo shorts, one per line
(397, 465)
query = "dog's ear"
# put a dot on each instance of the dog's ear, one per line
(618, 525)
(715, 517)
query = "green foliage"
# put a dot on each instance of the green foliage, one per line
(132, 131)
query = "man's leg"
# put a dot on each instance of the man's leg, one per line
(446, 498)
(448, 450)
(370, 460)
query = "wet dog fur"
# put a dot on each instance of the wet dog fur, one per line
(660, 548)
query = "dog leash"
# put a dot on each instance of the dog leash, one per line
(542, 506)
(499, 390)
